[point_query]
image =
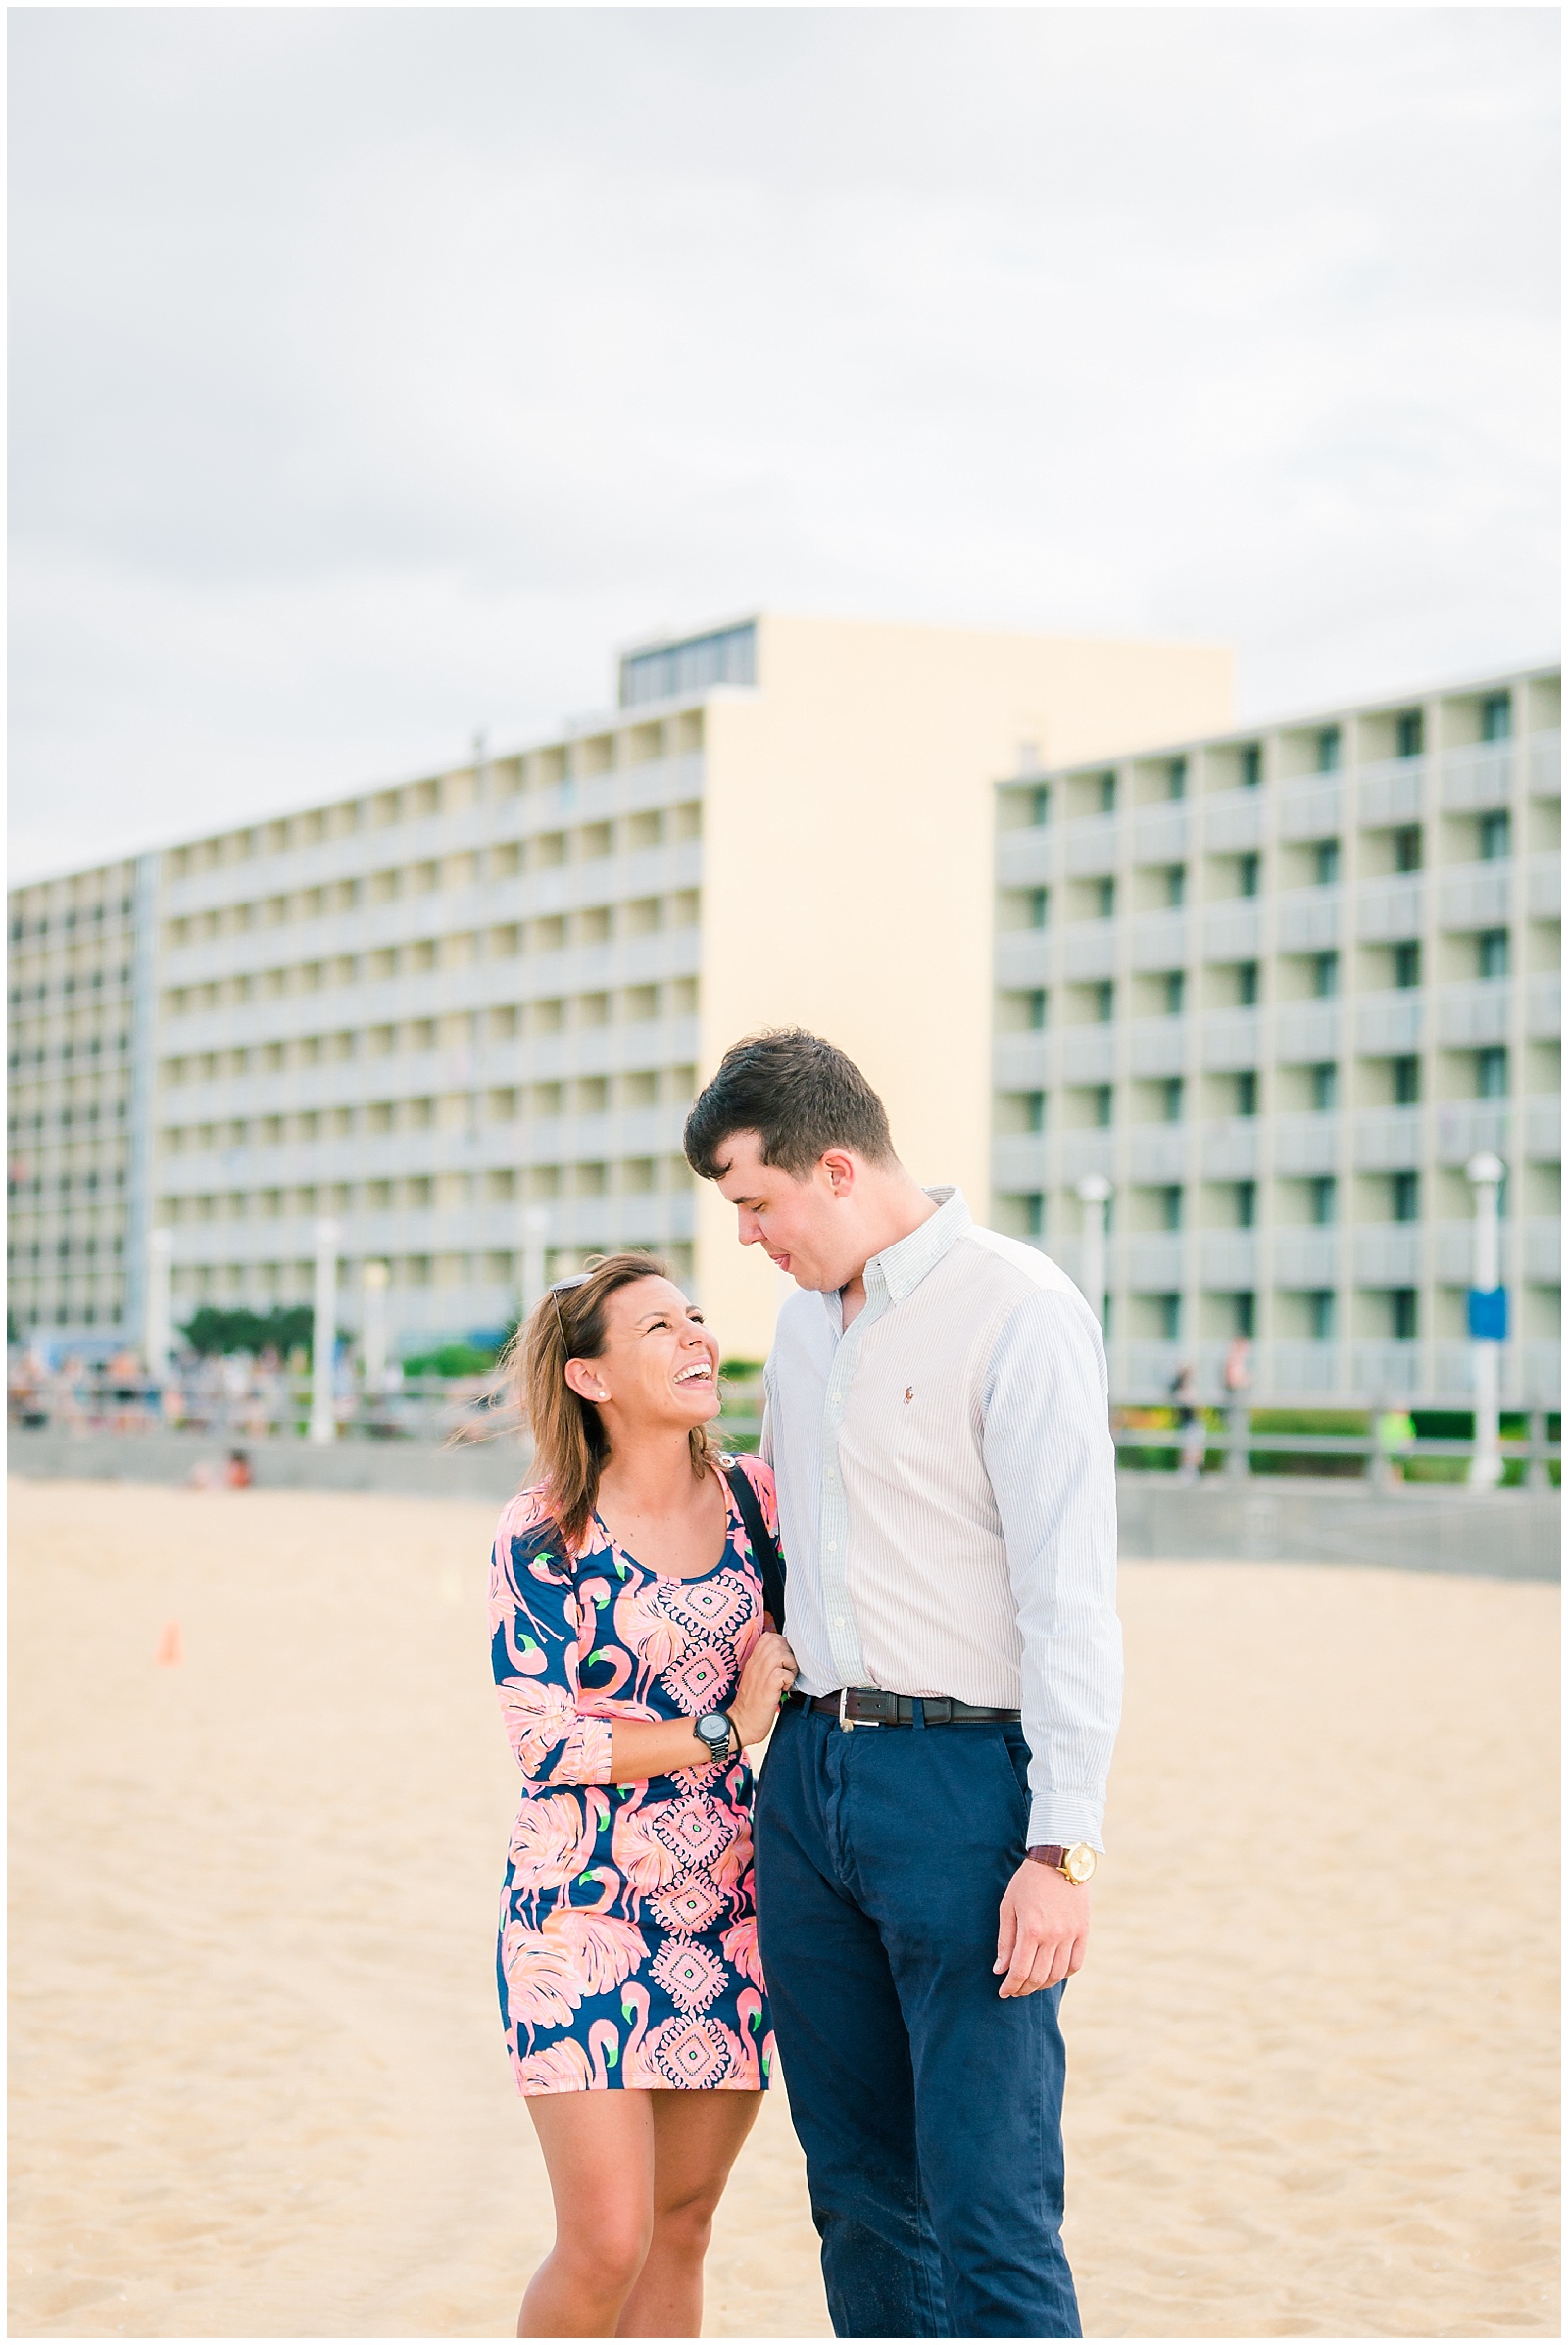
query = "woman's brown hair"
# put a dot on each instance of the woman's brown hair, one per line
(570, 1443)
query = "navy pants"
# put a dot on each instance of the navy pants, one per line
(929, 2108)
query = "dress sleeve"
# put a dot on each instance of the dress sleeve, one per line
(535, 1619)
(759, 1473)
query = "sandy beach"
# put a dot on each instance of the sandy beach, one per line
(258, 2086)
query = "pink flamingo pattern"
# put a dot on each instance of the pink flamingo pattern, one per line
(626, 1954)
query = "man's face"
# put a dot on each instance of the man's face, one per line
(807, 1226)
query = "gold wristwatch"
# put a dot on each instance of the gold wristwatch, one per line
(1075, 1864)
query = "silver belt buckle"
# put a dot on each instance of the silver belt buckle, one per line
(849, 1725)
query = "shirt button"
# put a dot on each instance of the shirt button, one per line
(832, 1546)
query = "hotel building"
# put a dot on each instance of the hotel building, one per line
(1278, 986)
(462, 1016)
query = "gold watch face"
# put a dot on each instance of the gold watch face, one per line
(1079, 1864)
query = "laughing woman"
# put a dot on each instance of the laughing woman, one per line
(634, 1667)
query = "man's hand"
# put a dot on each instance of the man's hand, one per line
(1043, 1932)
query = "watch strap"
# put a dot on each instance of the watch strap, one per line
(1046, 1852)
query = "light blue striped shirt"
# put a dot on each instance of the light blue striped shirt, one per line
(948, 1498)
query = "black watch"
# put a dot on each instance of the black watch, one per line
(716, 1731)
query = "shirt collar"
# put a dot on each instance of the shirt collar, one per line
(897, 1269)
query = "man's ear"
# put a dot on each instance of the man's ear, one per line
(585, 1381)
(840, 1168)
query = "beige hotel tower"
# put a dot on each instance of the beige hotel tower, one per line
(463, 1016)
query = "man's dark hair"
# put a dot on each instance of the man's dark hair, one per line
(799, 1093)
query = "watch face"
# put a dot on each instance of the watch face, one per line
(1079, 1863)
(713, 1730)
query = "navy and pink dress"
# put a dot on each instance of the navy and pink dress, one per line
(627, 1949)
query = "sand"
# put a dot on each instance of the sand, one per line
(257, 2081)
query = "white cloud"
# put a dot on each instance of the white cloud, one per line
(375, 372)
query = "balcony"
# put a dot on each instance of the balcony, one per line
(1023, 1061)
(1387, 1025)
(1544, 887)
(1544, 1006)
(1307, 920)
(1018, 1164)
(1387, 910)
(1307, 1144)
(1087, 1151)
(1475, 896)
(1299, 1367)
(1454, 1253)
(1026, 856)
(1541, 1252)
(1227, 1261)
(1387, 1370)
(1542, 1129)
(1545, 765)
(1233, 931)
(1229, 1151)
(1386, 1140)
(1388, 1254)
(1089, 949)
(1161, 837)
(1313, 810)
(1154, 1265)
(1466, 1125)
(1159, 1153)
(1023, 957)
(1230, 1041)
(1394, 792)
(1306, 1033)
(1478, 777)
(1087, 1054)
(1089, 846)
(1233, 822)
(1157, 941)
(1156, 1046)
(1306, 1258)
(1468, 1015)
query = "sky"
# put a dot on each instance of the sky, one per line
(376, 371)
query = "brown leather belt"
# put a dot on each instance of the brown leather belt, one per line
(869, 1706)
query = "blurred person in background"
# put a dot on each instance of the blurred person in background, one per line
(1189, 1423)
(634, 1667)
(927, 1819)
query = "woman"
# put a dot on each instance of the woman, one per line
(634, 1668)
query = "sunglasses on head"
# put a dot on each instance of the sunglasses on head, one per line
(563, 1287)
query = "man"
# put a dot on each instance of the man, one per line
(936, 1415)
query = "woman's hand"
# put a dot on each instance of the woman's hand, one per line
(767, 1677)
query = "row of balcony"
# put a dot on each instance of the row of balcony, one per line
(1365, 1370)
(1244, 1148)
(1304, 1260)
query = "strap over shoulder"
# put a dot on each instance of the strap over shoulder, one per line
(765, 1547)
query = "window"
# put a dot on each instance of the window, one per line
(1034, 1110)
(1401, 1314)
(1035, 1008)
(1246, 1093)
(1106, 899)
(1325, 1080)
(1038, 806)
(1175, 993)
(1170, 1317)
(1244, 1309)
(1101, 1102)
(1407, 734)
(1407, 847)
(1247, 984)
(1326, 862)
(1038, 906)
(1326, 975)
(1491, 953)
(1033, 1214)
(1247, 1205)
(1407, 964)
(1246, 870)
(1173, 1090)
(1176, 778)
(1497, 716)
(1491, 1073)
(1104, 1002)
(1170, 1208)
(1324, 1192)
(1107, 794)
(1176, 884)
(1320, 1315)
(1404, 1196)
(1328, 749)
(1494, 845)
(1252, 765)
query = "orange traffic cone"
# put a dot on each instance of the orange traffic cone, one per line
(170, 1647)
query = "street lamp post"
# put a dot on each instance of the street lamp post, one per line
(372, 1337)
(1487, 1314)
(1095, 1194)
(323, 1334)
(535, 1230)
(160, 1249)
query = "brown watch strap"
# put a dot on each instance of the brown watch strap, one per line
(1046, 1852)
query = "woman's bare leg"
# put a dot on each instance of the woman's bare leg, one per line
(697, 2139)
(599, 2151)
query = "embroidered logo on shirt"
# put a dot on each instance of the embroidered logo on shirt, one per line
(908, 1392)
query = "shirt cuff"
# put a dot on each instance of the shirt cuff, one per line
(1057, 1823)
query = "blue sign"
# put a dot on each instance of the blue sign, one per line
(1488, 1314)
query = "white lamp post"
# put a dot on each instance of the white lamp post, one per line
(1485, 1174)
(374, 1278)
(535, 1230)
(160, 1249)
(323, 1334)
(1095, 1194)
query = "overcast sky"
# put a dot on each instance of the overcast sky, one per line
(375, 372)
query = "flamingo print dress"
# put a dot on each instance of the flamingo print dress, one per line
(627, 1949)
